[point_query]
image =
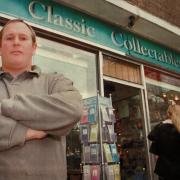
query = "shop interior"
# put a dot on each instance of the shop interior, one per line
(129, 127)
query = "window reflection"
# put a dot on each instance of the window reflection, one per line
(161, 90)
(76, 64)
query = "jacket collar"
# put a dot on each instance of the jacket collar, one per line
(35, 71)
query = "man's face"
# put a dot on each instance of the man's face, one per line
(17, 48)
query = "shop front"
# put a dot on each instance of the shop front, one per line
(142, 77)
(140, 102)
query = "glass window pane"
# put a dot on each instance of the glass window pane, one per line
(76, 64)
(161, 90)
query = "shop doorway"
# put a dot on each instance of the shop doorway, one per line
(129, 126)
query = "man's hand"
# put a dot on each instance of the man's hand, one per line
(35, 134)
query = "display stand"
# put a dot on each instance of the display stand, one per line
(100, 159)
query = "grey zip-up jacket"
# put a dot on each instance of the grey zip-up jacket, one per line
(47, 102)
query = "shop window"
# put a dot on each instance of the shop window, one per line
(80, 67)
(162, 89)
(76, 64)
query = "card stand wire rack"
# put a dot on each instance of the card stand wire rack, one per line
(100, 158)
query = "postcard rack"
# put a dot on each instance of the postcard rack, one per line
(100, 158)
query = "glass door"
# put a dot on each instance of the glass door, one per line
(129, 126)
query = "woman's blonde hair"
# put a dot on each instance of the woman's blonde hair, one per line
(173, 113)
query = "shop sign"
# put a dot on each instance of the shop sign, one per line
(136, 47)
(58, 17)
(77, 26)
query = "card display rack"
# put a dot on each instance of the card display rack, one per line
(100, 158)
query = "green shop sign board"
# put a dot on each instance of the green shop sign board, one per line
(60, 18)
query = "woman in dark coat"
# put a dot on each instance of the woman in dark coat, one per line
(165, 144)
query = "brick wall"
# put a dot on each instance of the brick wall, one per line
(168, 10)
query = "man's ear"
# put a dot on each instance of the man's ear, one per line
(34, 48)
